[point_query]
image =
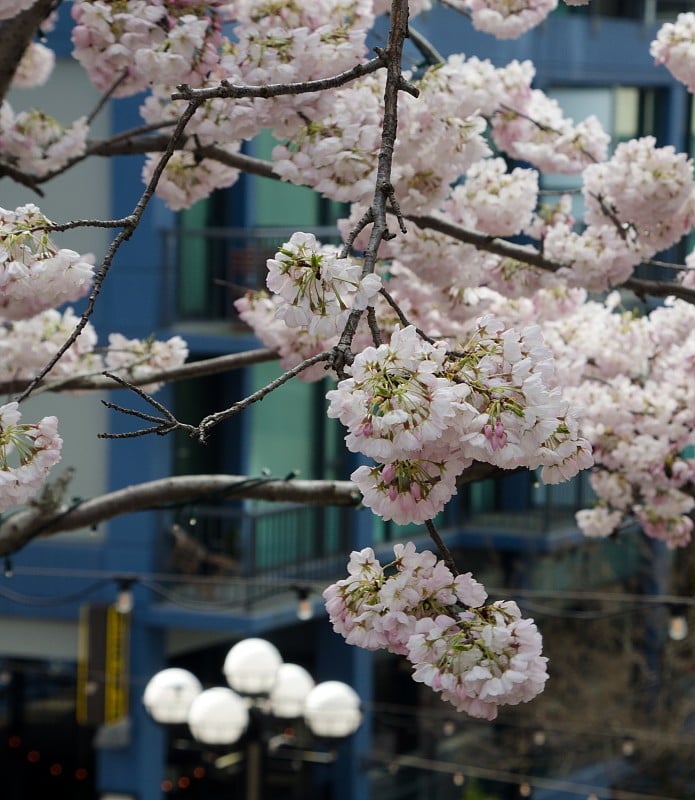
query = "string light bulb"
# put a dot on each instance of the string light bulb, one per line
(124, 598)
(628, 746)
(9, 570)
(458, 779)
(525, 789)
(678, 624)
(305, 610)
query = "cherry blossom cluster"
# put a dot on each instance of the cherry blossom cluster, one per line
(35, 67)
(477, 656)
(538, 132)
(441, 134)
(318, 287)
(674, 47)
(10, 8)
(334, 147)
(136, 359)
(493, 200)
(28, 452)
(35, 274)
(27, 345)
(599, 257)
(639, 202)
(630, 374)
(35, 142)
(644, 189)
(187, 178)
(290, 43)
(639, 440)
(480, 659)
(335, 150)
(127, 46)
(505, 19)
(425, 413)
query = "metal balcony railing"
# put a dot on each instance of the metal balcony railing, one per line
(207, 269)
(242, 556)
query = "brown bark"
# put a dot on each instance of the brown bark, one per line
(15, 35)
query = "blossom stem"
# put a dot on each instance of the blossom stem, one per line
(443, 549)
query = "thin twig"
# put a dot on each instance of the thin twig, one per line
(365, 219)
(232, 91)
(103, 100)
(443, 549)
(374, 326)
(427, 50)
(164, 424)
(402, 317)
(214, 419)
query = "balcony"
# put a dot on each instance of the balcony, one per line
(254, 556)
(207, 269)
(246, 558)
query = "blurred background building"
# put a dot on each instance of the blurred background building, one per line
(618, 717)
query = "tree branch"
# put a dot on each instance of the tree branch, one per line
(40, 519)
(383, 190)
(500, 247)
(229, 90)
(192, 369)
(48, 514)
(15, 35)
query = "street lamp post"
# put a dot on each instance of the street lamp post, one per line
(261, 687)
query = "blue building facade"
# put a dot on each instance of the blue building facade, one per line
(244, 582)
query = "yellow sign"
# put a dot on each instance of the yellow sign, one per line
(102, 665)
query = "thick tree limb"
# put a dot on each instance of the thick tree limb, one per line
(41, 519)
(49, 515)
(15, 35)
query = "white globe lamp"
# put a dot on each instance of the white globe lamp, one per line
(251, 666)
(218, 716)
(332, 710)
(288, 695)
(169, 694)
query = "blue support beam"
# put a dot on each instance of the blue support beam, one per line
(134, 764)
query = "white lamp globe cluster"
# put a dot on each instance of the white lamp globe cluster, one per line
(253, 668)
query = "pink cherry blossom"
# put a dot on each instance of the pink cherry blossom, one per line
(319, 288)
(35, 67)
(508, 20)
(35, 274)
(674, 47)
(28, 452)
(479, 659)
(37, 143)
(138, 358)
(9, 8)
